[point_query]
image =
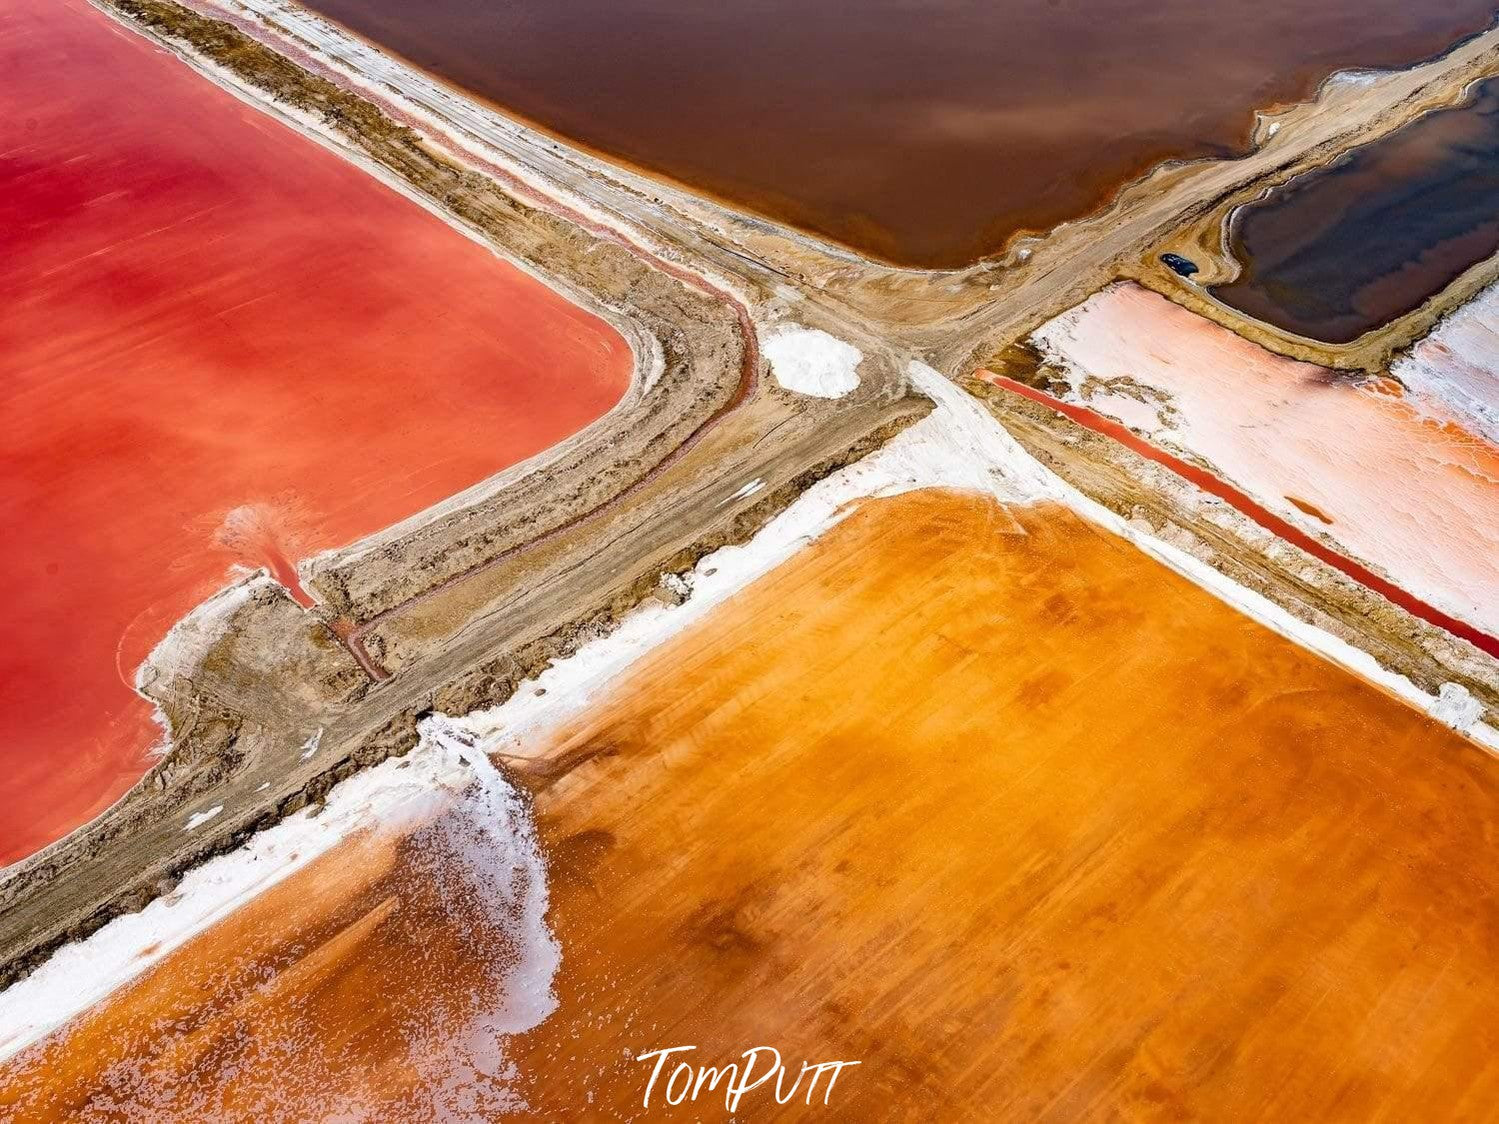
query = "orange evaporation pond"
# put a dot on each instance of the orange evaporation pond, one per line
(983, 798)
(221, 343)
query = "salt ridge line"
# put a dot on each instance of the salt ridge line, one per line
(469, 132)
(466, 119)
(466, 132)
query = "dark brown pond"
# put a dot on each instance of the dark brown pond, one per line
(1348, 248)
(924, 132)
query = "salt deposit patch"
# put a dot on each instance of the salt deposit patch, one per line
(310, 746)
(812, 362)
(1457, 708)
(1454, 372)
(198, 819)
(472, 825)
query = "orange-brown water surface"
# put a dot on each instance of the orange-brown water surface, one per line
(924, 132)
(221, 343)
(982, 798)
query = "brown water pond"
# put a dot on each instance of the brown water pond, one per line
(924, 132)
(1349, 247)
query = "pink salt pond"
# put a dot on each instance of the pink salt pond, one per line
(1374, 474)
(221, 344)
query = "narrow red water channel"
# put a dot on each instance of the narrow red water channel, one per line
(1244, 504)
(223, 345)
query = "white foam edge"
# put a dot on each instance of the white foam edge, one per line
(395, 795)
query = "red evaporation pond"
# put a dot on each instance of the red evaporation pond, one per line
(221, 344)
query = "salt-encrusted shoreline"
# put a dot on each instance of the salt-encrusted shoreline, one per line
(389, 796)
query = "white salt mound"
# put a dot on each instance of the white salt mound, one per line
(812, 362)
(198, 819)
(1457, 708)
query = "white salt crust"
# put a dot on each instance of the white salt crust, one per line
(1453, 374)
(397, 796)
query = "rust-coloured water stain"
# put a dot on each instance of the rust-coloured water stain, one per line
(990, 802)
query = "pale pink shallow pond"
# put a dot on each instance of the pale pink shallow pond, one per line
(1412, 496)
